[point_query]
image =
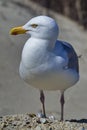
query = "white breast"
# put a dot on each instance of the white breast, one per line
(44, 69)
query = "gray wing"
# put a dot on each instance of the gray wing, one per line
(73, 58)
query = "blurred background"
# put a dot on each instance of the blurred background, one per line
(74, 9)
(15, 95)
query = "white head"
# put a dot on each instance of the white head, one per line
(42, 27)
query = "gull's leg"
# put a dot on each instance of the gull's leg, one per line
(42, 99)
(62, 101)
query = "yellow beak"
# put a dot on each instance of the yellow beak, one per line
(18, 30)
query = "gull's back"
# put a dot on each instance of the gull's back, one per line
(73, 62)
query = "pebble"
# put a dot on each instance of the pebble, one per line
(43, 120)
(81, 128)
(38, 128)
(39, 114)
(52, 118)
(32, 122)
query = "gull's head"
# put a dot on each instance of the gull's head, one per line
(42, 27)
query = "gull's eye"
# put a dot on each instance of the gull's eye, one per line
(34, 25)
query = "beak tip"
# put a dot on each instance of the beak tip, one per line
(12, 33)
(17, 30)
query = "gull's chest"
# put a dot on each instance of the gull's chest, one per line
(37, 61)
(33, 55)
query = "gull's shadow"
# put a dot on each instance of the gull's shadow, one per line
(78, 121)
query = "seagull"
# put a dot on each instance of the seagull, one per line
(47, 63)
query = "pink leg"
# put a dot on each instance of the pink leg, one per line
(62, 101)
(42, 99)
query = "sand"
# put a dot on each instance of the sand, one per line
(32, 122)
(18, 97)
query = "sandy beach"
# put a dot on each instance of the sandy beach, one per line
(18, 97)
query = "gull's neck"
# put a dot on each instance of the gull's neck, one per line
(47, 44)
(35, 51)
